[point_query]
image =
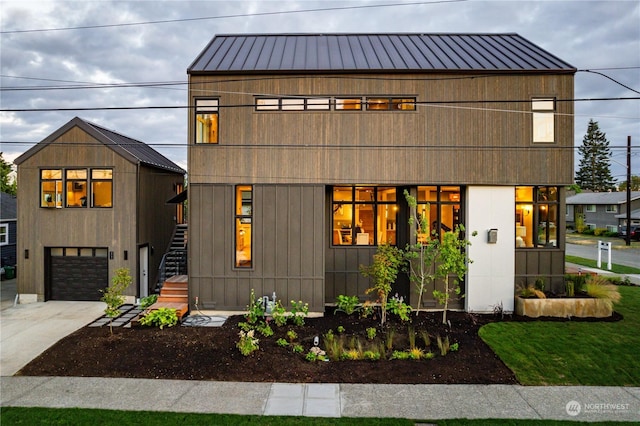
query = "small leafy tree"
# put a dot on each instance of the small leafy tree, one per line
(422, 255)
(387, 263)
(7, 184)
(451, 266)
(112, 295)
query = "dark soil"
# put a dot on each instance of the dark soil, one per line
(210, 353)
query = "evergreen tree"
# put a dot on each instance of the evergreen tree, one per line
(7, 185)
(594, 171)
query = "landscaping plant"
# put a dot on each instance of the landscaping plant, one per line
(145, 302)
(247, 342)
(421, 256)
(112, 295)
(162, 317)
(386, 265)
(346, 304)
(599, 287)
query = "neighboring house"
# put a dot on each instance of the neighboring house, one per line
(92, 201)
(302, 145)
(605, 210)
(8, 229)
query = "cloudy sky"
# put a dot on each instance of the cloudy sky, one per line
(49, 49)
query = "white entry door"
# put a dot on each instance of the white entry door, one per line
(144, 271)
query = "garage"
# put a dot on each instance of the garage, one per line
(77, 273)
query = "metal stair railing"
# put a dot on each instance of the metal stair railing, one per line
(173, 262)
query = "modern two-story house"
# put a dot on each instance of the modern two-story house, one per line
(92, 201)
(301, 147)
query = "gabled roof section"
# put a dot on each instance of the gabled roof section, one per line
(371, 53)
(607, 198)
(133, 150)
(8, 207)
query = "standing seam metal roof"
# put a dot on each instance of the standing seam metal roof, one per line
(273, 53)
(131, 149)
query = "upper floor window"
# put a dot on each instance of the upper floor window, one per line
(537, 213)
(51, 188)
(206, 121)
(391, 104)
(591, 208)
(377, 103)
(74, 187)
(543, 112)
(364, 215)
(101, 188)
(612, 208)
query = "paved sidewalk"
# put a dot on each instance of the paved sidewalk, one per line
(419, 402)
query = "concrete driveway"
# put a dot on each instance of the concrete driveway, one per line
(28, 330)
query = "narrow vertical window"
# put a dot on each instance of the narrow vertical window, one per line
(244, 226)
(76, 180)
(206, 121)
(543, 112)
(51, 188)
(101, 188)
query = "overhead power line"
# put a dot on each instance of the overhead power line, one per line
(238, 15)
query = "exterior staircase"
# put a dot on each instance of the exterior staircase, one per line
(174, 261)
(174, 294)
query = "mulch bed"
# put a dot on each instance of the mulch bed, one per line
(210, 353)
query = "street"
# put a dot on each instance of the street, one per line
(620, 255)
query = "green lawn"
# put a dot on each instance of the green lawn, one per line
(615, 268)
(571, 352)
(82, 416)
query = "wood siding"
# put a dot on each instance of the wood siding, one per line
(157, 219)
(287, 247)
(439, 143)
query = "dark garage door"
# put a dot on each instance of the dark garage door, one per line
(77, 273)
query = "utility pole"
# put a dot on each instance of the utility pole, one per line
(628, 236)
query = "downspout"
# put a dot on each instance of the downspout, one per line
(137, 253)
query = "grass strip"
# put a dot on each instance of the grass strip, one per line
(34, 416)
(572, 352)
(618, 269)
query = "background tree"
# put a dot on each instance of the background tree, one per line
(594, 172)
(635, 184)
(7, 183)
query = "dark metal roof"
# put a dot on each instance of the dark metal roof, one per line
(333, 53)
(131, 149)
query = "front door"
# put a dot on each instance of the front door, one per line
(143, 253)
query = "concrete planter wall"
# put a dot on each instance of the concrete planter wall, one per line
(563, 308)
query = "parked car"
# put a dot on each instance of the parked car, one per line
(635, 232)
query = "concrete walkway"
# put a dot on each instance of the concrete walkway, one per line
(28, 330)
(419, 402)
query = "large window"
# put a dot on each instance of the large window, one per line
(543, 111)
(439, 208)
(364, 215)
(243, 225)
(536, 216)
(206, 121)
(73, 188)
